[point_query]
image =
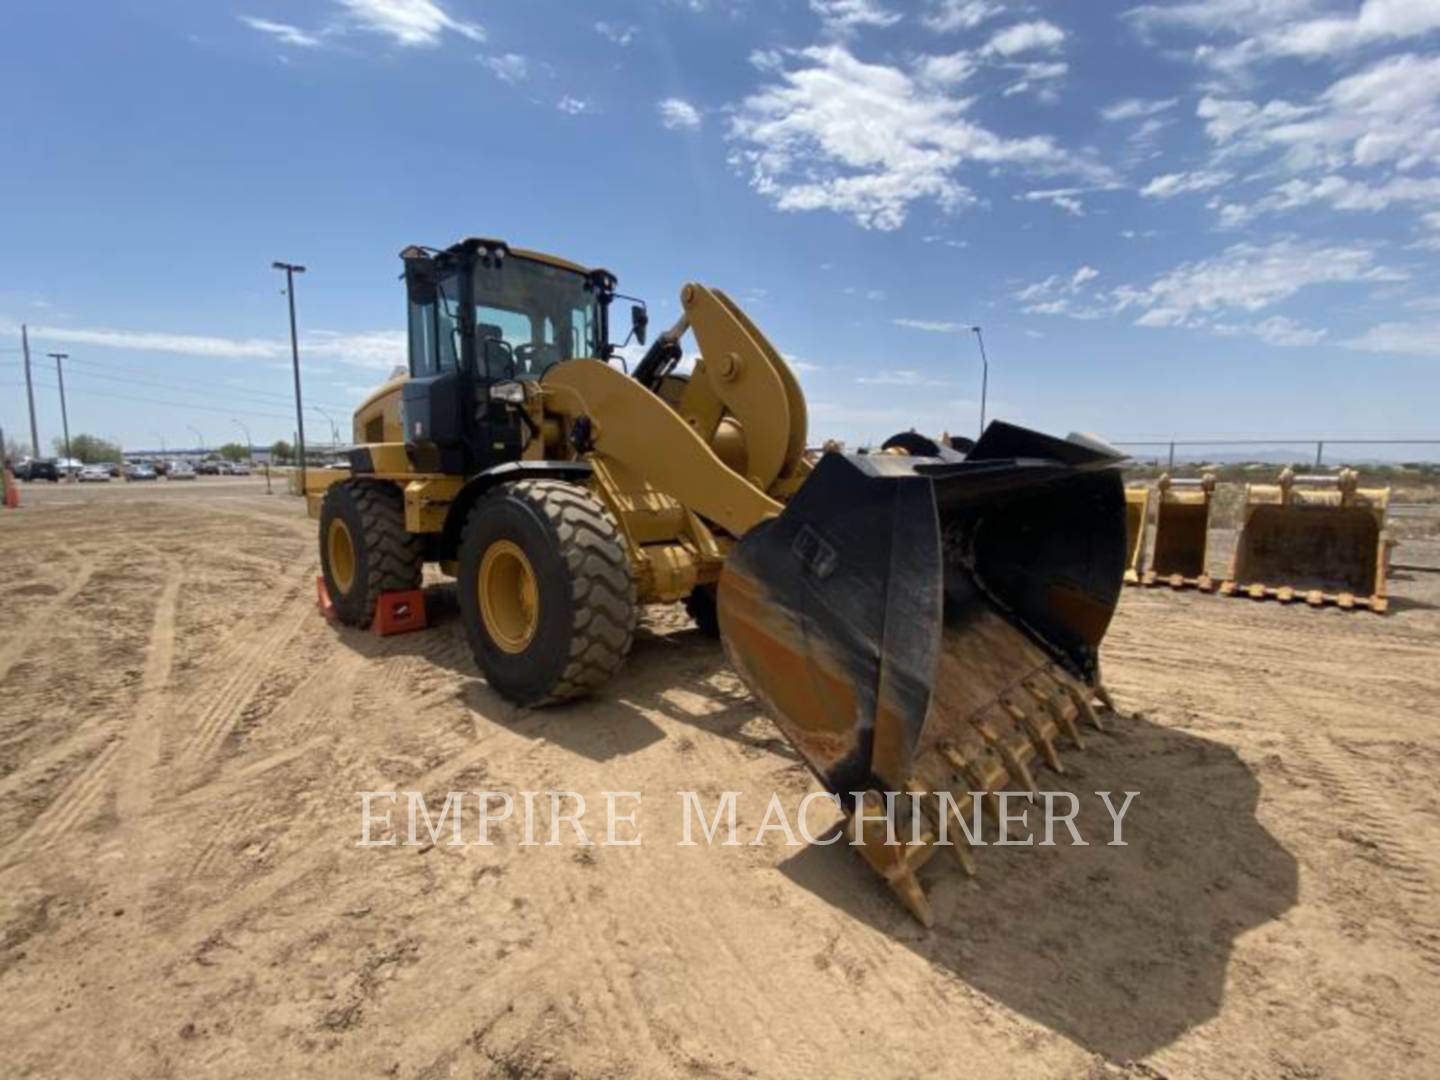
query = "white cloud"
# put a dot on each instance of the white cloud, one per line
(949, 15)
(283, 32)
(1136, 108)
(932, 325)
(1386, 114)
(411, 23)
(948, 69)
(573, 106)
(1060, 295)
(1246, 277)
(1067, 199)
(1400, 338)
(845, 16)
(678, 114)
(1278, 330)
(1026, 37)
(511, 67)
(1340, 193)
(901, 377)
(1172, 184)
(1381, 122)
(1329, 34)
(868, 140)
(620, 35)
(375, 348)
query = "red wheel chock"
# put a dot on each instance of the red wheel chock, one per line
(322, 598)
(399, 613)
(395, 612)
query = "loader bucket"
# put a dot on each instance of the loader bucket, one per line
(1320, 539)
(1182, 527)
(928, 625)
(1137, 516)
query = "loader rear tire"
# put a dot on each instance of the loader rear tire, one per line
(546, 591)
(364, 547)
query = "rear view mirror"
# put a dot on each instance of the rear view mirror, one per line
(639, 322)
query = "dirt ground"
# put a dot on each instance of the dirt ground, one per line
(183, 739)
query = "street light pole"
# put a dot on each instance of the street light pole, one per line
(249, 446)
(64, 419)
(984, 375)
(291, 269)
(162, 443)
(334, 431)
(198, 436)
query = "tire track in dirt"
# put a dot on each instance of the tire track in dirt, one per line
(217, 717)
(143, 739)
(80, 797)
(1368, 820)
(23, 637)
(73, 805)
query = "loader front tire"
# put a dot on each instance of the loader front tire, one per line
(545, 591)
(364, 547)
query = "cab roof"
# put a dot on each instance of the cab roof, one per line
(486, 243)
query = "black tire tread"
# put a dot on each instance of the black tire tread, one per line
(396, 556)
(604, 588)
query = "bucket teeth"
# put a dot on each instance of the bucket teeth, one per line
(1082, 702)
(993, 750)
(896, 863)
(1055, 700)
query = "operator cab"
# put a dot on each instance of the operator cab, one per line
(486, 320)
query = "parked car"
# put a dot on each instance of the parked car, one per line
(180, 470)
(94, 474)
(240, 468)
(39, 469)
(113, 468)
(141, 472)
(208, 468)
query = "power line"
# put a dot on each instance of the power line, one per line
(263, 397)
(111, 394)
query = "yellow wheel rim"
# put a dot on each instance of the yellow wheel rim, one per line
(509, 598)
(340, 550)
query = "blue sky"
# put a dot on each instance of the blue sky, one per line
(1195, 219)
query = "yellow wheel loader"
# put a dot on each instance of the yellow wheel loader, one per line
(916, 620)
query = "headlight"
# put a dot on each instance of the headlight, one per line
(510, 392)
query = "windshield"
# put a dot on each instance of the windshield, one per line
(529, 315)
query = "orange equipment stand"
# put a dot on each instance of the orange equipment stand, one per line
(12, 489)
(395, 612)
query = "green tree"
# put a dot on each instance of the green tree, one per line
(88, 449)
(234, 451)
(281, 450)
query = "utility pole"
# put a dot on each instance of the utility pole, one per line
(30, 392)
(984, 375)
(249, 446)
(64, 419)
(291, 269)
(198, 436)
(162, 443)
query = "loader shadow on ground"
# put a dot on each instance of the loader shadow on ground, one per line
(1122, 949)
(600, 729)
